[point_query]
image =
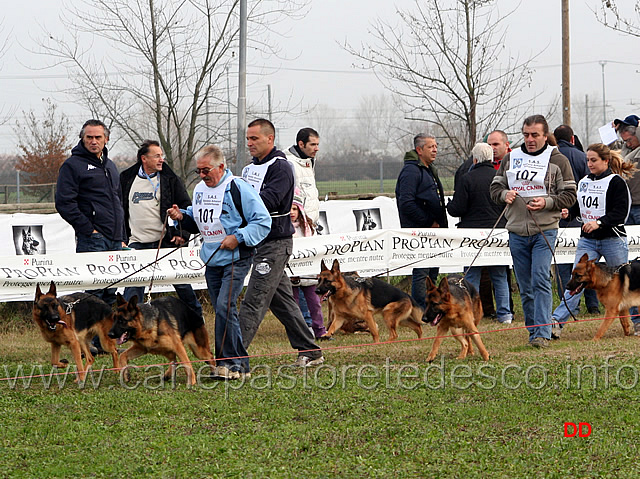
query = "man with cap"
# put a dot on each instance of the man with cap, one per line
(628, 131)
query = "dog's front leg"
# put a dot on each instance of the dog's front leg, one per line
(465, 344)
(441, 331)
(77, 357)
(55, 356)
(610, 315)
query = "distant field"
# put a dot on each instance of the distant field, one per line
(354, 187)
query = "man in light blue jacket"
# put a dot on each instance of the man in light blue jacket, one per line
(232, 220)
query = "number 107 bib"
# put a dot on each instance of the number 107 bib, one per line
(526, 173)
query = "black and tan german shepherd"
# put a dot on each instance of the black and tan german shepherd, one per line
(361, 298)
(164, 326)
(88, 316)
(454, 306)
(618, 289)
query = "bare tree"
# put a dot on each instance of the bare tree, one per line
(447, 60)
(618, 19)
(44, 143)
(164, 73)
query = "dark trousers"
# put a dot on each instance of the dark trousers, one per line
(270, 288)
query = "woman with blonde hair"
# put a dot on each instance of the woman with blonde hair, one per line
(603, 206)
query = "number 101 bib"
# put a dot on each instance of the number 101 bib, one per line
(526, 173)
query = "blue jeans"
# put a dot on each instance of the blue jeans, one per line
(615, 252)
(93, 243)
(634, 215)
(498, 276)
(418, 286)
(225, 284)
(563, 275)
(185, 291)
(304, 308)
(532, 264)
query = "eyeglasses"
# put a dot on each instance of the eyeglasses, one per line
(204, 171)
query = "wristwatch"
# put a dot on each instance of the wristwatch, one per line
(599, 223)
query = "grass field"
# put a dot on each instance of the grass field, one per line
(370, 411)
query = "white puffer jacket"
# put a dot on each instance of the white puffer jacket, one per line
(305, 179)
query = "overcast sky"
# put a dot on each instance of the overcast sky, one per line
(321, 72)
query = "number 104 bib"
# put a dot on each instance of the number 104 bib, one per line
(526, 173)
(592, 197)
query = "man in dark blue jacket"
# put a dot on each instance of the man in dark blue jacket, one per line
(88, 196)
(269, 287)
(578, 159)
(420, 202)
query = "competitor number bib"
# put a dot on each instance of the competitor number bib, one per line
(526, 173)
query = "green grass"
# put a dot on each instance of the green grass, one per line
(370, 411)
(352, 187)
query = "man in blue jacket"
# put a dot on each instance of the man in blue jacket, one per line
(88, 196)
(269, 287)
(420, 202)
(578, 160)
(232, 220)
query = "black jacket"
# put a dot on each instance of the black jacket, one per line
(419, 194)
(277, 194)
(578, 161)
(472, 201)
(172, 192)
(616, 213)
(88, 194)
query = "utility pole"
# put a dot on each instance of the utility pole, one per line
(242, 88)
(586, 116)
(229, 113)
(604, 102)
(566, 68)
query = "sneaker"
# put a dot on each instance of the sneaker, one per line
(505, 321)
(539, 343)
(556, 330)
(306, 361)
(636, 329)
(593, 310)
(223, 372)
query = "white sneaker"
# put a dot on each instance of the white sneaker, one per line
(505, 321)
(306, 361)
(223, 372)
(556, 330)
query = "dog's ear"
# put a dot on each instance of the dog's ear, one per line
(444, 288)
(24, 234)
(584, 258)
(38, 292)
(133, 303)
(336, 266)
(323, 266)
(29, 230)
(429, 283)
(120, 300)
(52, 289)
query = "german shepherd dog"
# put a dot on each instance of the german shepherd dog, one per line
(88, 316)
(454, 306)
(29, 243)
(164, 327)
(618, 289)
(361, 298)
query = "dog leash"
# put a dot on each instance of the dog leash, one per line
(553, 254)
(153, 272)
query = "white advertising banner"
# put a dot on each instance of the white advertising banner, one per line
(41, 249)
